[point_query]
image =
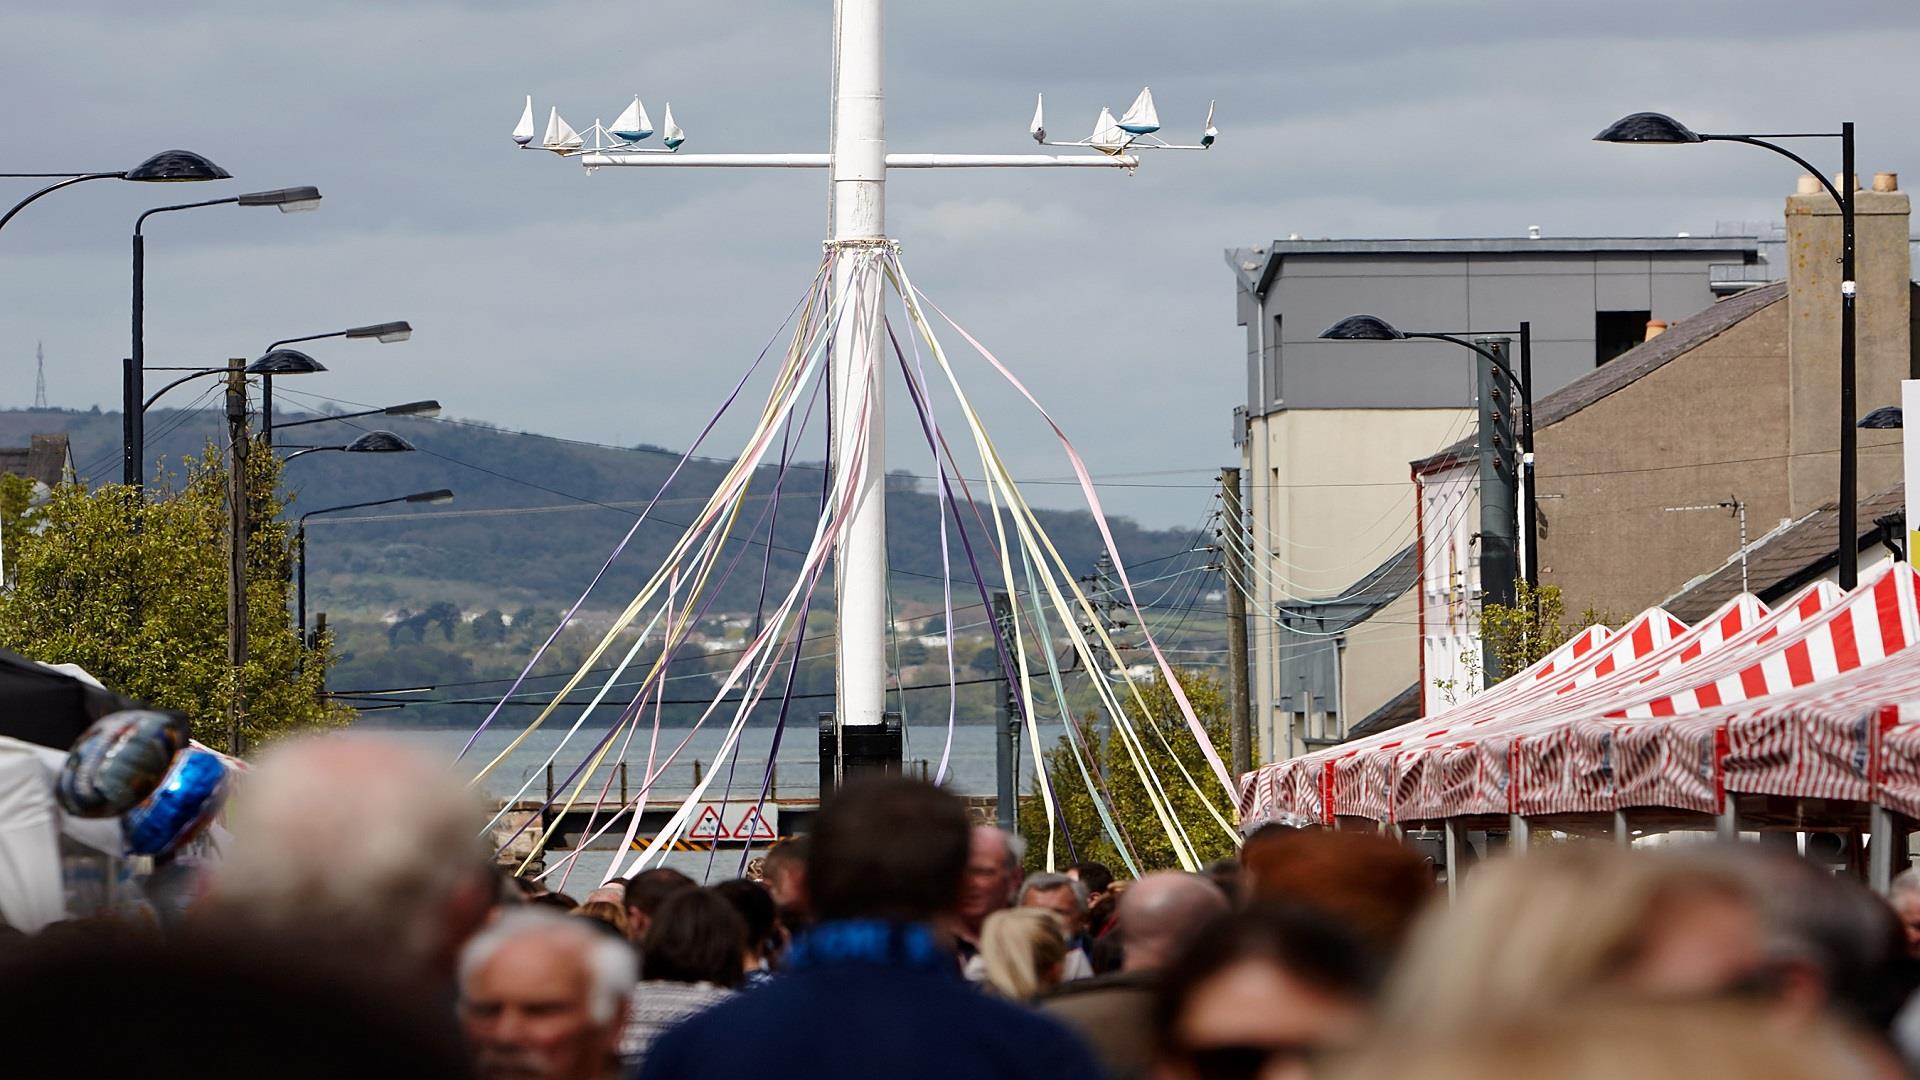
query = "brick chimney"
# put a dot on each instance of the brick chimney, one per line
(1882, 316)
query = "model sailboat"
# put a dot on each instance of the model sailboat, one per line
(1140, 117)
(561, 138)
(633, 125)
(523, 131)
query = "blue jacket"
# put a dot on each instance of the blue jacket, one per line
(865, 999)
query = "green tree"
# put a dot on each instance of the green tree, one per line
(18, 516)
(136, 593)
(1535, 625)
(1164, 740)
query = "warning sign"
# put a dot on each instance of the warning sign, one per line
(708, 825)
(752, 826)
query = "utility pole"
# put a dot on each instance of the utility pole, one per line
(1006, 735)
(1233, 542)
(858, 165)
(1499, 486)
(236, 548)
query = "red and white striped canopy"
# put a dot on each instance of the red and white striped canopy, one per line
(1803, 700)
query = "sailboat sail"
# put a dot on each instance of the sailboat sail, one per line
(560, 135)
(1140, 117)
(523, 131)
(633, 125)
(1107, 136)
(670, 131)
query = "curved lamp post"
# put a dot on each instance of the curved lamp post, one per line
(1659, 129)
(434, 497)
(133, 434)
(277, 362)
(385, 333)
(1375, 328)
(165, 167)
(411, 408)
(373, 442)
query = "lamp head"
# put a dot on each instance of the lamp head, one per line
(176, 167)
(290, 200)
(1362, 328)
(413, 408)
(285, 362)
(1648, 127)
(383, 332)
(440, 495)
(1882, 418)
(378, 442)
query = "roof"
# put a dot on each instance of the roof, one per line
(46, 459)
(1786, 558)
(1631, 366)
(1402, 708)
(1356, 603)
(1259, 264)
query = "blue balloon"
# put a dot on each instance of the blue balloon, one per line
(118, 761)
(185, 802)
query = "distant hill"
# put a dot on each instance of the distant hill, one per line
(535, 517)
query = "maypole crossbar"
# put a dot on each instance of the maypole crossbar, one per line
(858, 163)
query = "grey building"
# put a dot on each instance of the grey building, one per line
(1328, 428)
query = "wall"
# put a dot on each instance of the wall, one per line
(1883, 319)
(1329, 497)
(1707, 425)
(1449, 586)
(1380, 658)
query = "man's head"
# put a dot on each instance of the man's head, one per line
(1061, 895)
(543, 997)
(1161, 912)
(361, 843)
(1904, 895)
(993, 872)
(1373, 884)
(1095, 876)
(888, 848)
(646, 891)
(784, 869)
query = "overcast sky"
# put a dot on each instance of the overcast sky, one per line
(619, 307)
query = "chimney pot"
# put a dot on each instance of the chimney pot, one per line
(1808, 185)
(1886, 181)
(1655, 327)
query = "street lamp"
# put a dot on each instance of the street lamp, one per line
(133, 433)
(277, 362)
(1496, 525)
(165, 167)
(1886, 417)
(1658, 129)
(385, 333)
(435, 497)
(373, 442)
(411, 408)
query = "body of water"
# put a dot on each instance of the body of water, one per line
(522, 774)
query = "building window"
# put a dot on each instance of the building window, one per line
(1614, 332)
(1272, 361)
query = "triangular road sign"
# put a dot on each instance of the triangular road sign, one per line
(708, 825)
(752, 826)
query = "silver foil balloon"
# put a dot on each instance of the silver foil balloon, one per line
(184, 803)
(118, 761)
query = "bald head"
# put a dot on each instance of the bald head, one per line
(360, 838)
(1160, 913)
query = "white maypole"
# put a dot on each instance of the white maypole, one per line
(858, 373)
(858, 162)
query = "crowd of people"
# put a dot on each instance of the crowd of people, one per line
(356, 924)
